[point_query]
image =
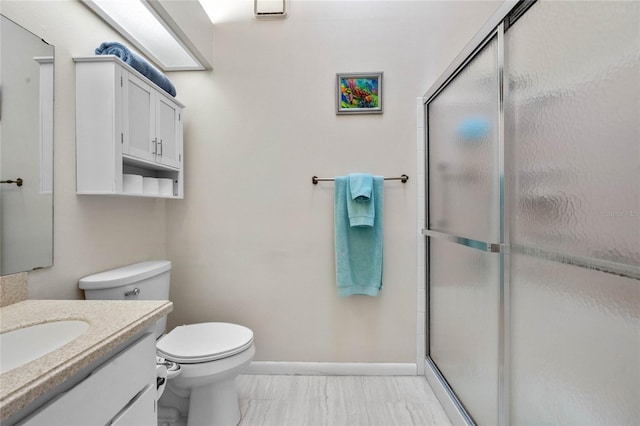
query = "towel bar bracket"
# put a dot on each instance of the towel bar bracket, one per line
(18, 181)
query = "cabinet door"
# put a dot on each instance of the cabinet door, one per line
(168, 132)
(138, 118)
(141, 411)
(105, 392)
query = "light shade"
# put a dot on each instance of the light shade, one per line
(140, 23)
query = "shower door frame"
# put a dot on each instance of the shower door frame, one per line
(495, 27)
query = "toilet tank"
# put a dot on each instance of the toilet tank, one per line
(141, 281)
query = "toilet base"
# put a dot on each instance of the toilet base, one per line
(214, 405)
(169, 416)
(206, 392)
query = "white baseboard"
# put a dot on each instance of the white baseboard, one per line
(332, 368)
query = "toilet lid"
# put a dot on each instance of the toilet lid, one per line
(204, 342)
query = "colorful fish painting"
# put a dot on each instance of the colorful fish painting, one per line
(357, 93)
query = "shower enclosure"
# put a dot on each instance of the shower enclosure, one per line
(533, 218)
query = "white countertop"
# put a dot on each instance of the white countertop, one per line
(111, 323)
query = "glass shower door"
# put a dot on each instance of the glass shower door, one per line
(463, 220)
(534, 231)
(573, 126)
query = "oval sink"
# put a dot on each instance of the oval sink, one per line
(23, 345)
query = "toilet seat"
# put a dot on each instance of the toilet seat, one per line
(204, 342)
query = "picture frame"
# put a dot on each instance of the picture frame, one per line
(359, 93)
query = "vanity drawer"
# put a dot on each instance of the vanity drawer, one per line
(107, 390)
(140, 411)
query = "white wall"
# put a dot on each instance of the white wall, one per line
(91, 233)
(252, 242)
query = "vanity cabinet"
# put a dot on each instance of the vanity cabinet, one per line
(121, 391)
(125, 124)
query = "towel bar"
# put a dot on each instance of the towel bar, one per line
(18, 181)
(316, 179)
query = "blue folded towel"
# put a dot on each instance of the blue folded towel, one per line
(360, 200)
(358, 248)
(138, 63)
(360, 185)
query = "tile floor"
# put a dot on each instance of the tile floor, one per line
(338, 401)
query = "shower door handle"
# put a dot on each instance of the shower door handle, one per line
(468, 242)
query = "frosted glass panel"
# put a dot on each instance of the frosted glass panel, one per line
(575, 345)
(463, 151)
(574, 138)
(574, 128)
(463, 315)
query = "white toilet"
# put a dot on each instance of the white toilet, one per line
(203, 359)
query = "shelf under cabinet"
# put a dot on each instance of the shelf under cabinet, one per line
(126, 194)
(146, 164)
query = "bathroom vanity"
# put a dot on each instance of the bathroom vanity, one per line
(104, 376)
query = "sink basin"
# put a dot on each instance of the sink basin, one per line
(23, 345)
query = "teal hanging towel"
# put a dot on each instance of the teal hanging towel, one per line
(358, 218)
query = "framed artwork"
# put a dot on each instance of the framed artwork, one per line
(359, 93)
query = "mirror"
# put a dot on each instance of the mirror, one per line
(26, 150)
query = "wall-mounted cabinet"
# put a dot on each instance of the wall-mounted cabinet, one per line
(125, 125)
